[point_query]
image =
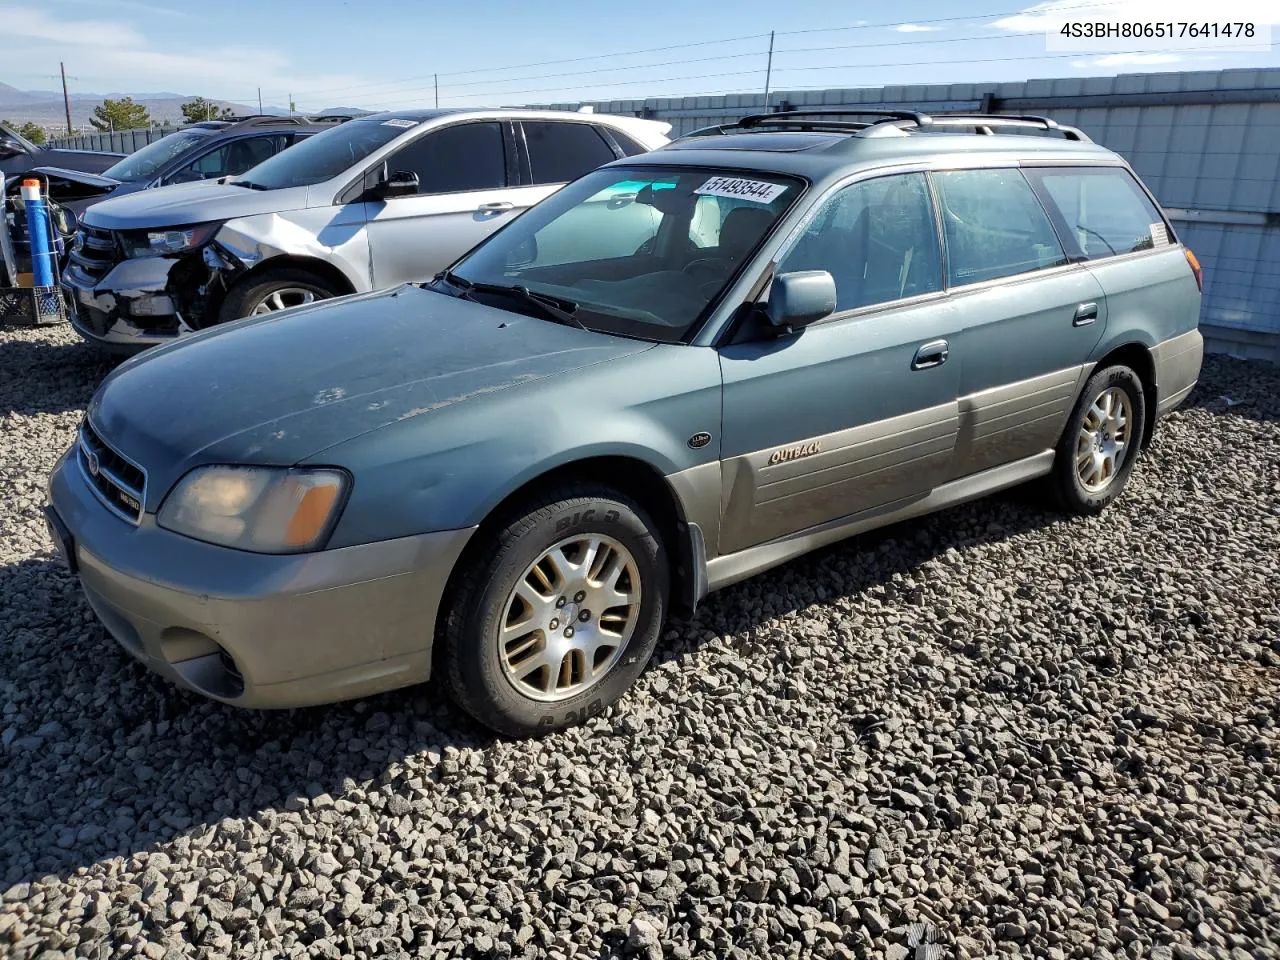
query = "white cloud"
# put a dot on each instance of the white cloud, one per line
(1053, 13)
(110, 55)
(915, 28)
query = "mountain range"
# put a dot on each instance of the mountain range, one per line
(45, 107)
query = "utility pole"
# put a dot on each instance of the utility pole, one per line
(436, 77)
(259, 99)
(66, 100)
(291, 104)
(768, 73)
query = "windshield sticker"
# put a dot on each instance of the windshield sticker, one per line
(1160, 235)
(757, 191)
(400, 123)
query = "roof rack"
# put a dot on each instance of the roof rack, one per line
(894, 122)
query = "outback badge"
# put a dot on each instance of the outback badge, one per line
(796, 452)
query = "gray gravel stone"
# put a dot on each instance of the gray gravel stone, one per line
(992, 733)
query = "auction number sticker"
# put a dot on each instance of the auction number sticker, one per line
(400, 123)
(757, 191)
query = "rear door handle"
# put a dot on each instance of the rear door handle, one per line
(931, 354)
(496, 206)
(1086, 313)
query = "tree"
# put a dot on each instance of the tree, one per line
(202, 109)
(32, 132)
(122, 114)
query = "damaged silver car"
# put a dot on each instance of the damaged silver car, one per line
(369, 204)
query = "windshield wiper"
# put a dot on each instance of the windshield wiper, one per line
(561, 311)
(246, 183)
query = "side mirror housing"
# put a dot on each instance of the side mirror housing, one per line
(800, 298)
(186, 176)
(10, 147)
(401, 183)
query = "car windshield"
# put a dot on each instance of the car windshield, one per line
(142, 164)
(325, 155)
(640, 251)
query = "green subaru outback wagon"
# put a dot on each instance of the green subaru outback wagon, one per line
(680, 370)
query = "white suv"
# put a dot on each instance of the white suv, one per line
(369, 204)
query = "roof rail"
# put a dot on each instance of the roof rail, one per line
(797, 118)
(984, 122)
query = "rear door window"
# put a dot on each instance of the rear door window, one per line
(459, 158)
(1103, 209)
(994, 226)
(560, 151)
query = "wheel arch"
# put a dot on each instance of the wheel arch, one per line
(630, 476)
(321, 268)
(1137, 357)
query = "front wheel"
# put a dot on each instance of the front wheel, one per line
(558, 613)
(1104, 434)
(272, 291)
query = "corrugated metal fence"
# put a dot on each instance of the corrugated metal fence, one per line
(1207, 143)
(121, 141)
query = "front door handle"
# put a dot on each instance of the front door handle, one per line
(1086, 313)
(931, 354)
(496, 207)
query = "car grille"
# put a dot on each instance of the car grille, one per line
(95, 252)
(118, 482)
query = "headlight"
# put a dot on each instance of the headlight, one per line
(158, 243)
(261, 509)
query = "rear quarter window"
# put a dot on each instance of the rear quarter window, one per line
(1103, 209)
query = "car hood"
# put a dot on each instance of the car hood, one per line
(185, 203)
(281, 388)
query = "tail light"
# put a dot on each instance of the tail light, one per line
(1195, 269)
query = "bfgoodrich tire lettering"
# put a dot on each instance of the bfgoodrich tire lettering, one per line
(1098, 449)
(601, 539)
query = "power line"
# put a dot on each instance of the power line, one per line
(861, 66)
(702, 43)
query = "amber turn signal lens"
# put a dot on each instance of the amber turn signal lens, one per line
(1195, 268)
(311, 515)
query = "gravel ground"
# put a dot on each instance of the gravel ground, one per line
(996, 732)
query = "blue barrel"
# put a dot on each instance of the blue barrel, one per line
(42, 256)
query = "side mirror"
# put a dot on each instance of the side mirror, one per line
(401, 183)
(800, 298)
(186, 176)
(10, 147)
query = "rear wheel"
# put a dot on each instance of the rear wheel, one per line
(1097, 451)
(558, 613)
(275, 290)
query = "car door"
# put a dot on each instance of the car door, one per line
(858, 411)
(464, 173)
(1030, 316)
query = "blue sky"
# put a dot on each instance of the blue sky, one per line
(382, 53)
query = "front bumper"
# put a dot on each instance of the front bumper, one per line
(254, 630)
(128, 309)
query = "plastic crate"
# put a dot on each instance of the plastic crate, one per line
(32, 306)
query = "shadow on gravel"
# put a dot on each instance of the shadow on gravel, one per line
(107, 760)
(1236, 388)
(38, 377)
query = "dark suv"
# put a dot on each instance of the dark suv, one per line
(207, 150)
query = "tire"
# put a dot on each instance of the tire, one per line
(479, 667)
(1087, 486)
(291, 283)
